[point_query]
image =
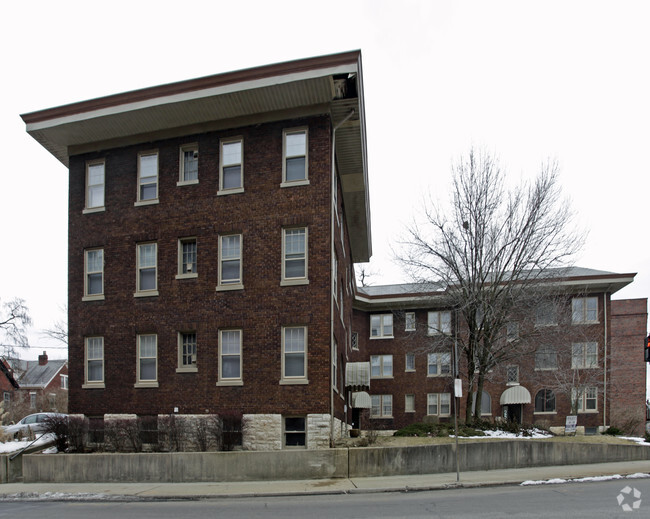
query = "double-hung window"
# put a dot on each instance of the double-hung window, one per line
(584, 355)
(294, 256)
(147, 177)
(295, 159)
(231, 166)
(147, 271)
(230, 265)
(409, 324)
(187, 258)
(546, 357)
(439, 323)
(584, 310)
(381, 326)
(546, 314)
(439, 404)
(382, 406)
(187, 352)
(94, 275)
(381, 366)
(438, 364)
(587, 399)
(94, 363)
(409, 403)
(95, 179)
(295, 431)
(294, 355)
(147, 362)
(410, 362)
(189, 165)
(230, 357)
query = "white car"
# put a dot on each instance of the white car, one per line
(36, 423)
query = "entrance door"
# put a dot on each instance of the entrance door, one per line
(356, 418)
(512, 412)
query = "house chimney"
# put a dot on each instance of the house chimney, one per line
(42, 359)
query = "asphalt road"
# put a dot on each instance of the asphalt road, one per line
(575, 500)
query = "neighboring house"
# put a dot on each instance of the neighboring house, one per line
(8, 384)
(44, 385)
(213, 227)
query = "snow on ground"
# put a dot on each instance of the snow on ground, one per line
(536, 434)
(554, 481)
(15, 446)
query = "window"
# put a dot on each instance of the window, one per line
(187, 258)
(230, 271)
(147, 258)
(512, 331)
(294, 355)
(409, 403)
(486, 403)
(354, 340)
(381, 326)
(7, 399)
(545, 315)
(295, 431)
(95, 175)
(294, 256)
(381, 366)
(147, 177)
(584, 355)
(147, 367)
(334, 365)
(382, 406)
(587, 399)
(231, 168)
(94, 363)
(230, 367)
(64, 381)
(32, 400)
(546, 358)
(189, 164)
(335, 274)
(439, 323)
(439, 404)
(294, 163)
(409, 322)
(438, 364)
(187, 352)
(545, 401)
(584, 310)
(94, 277)
(512, 375)
(410, 362)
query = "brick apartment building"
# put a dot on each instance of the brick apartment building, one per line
(213, 228)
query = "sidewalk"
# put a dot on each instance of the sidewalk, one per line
(181, 491)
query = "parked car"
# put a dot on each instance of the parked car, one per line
(35, 423)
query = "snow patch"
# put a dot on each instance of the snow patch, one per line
(638, 475)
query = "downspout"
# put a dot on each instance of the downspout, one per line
(332, 256)
(605, 362)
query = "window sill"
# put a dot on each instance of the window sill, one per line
(440, 375)
(585, 322)
(409, 371)
(293, 282)
(591, 411)
(545, 412)
(381, 417)
(92, 385)
(545, 369)
(295, 183)
(145, 385)
(187, 276)
(93, 298)
(292, 382)
(233, 191)
(141, 203)
(226, 288)
(223, 383)
(512, 383)
(382, 337)
(187, 370)
(187, 182)
(381, 378)
(90, 210)
(152, 293)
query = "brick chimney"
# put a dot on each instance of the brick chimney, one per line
(42, 359)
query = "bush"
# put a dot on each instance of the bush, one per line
(613, 431)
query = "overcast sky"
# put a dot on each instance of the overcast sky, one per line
(524, 80)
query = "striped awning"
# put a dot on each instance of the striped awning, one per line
(361, 400)
(515, 395)
(357, 375)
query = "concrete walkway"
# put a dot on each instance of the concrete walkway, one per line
(180, 491)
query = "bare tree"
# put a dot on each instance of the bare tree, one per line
(14, 320)
(59, 330)
(364, 274)
(492, 248)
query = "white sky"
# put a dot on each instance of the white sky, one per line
(525, 80)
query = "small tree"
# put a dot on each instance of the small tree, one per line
(14, 321)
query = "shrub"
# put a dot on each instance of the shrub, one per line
(613, 431)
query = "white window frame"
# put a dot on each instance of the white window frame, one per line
(285, 156)
(512, 375)
(88, 272)
(484, 395)
(187, 148)
(583, 311)
(222, 165)
(140, 383)
(584, 395)
(335, 349)
(437, 361)
(436, 401)
(97, 341)
(380, 322)
(148, 201)
(184, 367)
(409, 358)
(193, 273)
(237, 380)
(439, 322)
(386, 367)
(409, 403)
(298, 280)
(409, 322)
(95, 208)
(294, 379)
(64, 382)
(234, 284)
(149, 292)
(584, 355)
(383, 404)
(354, 341)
